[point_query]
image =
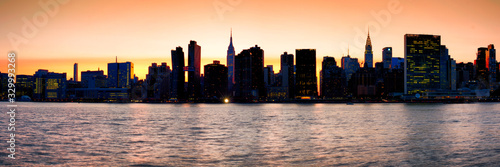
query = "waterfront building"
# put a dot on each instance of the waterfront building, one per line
(422, 63)
(215, 85)
(306, 81)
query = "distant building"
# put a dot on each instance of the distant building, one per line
(398, 63)
(277, 93)
(178, 76)
(215, 85)
(306, 86)
(394, 83)
(387, 57)
(75, 72)
(49, 85)
(230, 64)
(422, 65)
(102, 94)
(287, 74)
(465, 74)
(447, 70)
(482, 75)
(249, 74)
(332, 79)
(362, 82)
(4, 82)
(24, 86)
(157, 83)
(491, 63)
(368, 53)
(193, 69)
(93, 79)
(349, 65)
(268, 75)
(120, 75)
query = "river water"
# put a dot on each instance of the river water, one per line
(86, 134)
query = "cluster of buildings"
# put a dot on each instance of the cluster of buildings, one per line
(427, 71)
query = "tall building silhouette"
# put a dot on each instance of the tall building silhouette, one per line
(422, 63)
(249, 74)
(368, 53)
(215, 84)
(447, 70)
(75, 72)
(178, 76)
(268, 76)
(349, 65)
(332, 79)
(491, 64)
(157, 82)
(120, 75)
(306, 81)
(481, 68)
(193, 68)
(387, 57)
(230, 63)
(287, 74)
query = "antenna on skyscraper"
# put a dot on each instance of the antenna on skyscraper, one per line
(116, 59)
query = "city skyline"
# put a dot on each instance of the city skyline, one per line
(74, 35)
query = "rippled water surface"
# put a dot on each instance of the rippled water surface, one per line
(78, 134)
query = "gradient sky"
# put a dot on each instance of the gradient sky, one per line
(93, 32)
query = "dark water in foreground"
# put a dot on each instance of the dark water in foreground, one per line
(72, 134)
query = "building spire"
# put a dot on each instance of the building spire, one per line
(368, 40)
(116, 59)
(231, 41)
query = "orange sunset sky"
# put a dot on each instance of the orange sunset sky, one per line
(92, 32)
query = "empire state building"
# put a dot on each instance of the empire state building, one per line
(230, 64)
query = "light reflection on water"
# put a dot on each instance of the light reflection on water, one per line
(78, 134)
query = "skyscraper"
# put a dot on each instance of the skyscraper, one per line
(481, 68)
(230, 63)
(491, 61)
(447, 70)
(157, 83)
(332, 79)
(120, 75)
(387, 57)
(215, 80)
(306, 81)
(194, 65)
(443, 67)
(268, 75)
(249, 74)
(75, 72)
(349, 65)
(368, 53)
(422, 63)
(287, 74)
(178, 76)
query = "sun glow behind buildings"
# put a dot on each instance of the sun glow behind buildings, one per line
(93, 32)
